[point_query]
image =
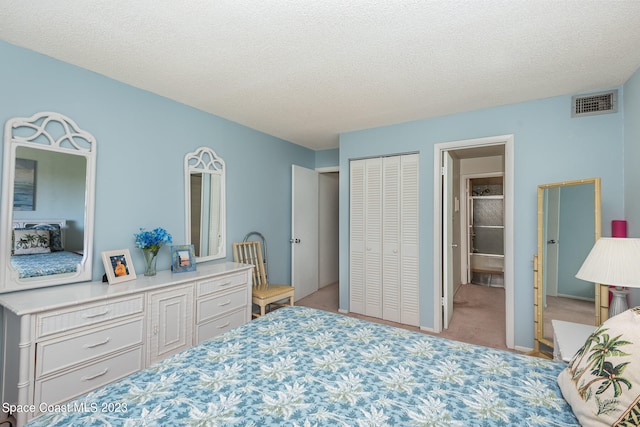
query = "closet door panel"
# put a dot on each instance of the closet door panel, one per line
(409, 236)
(356, 236)
(373, 233)
(391, 289)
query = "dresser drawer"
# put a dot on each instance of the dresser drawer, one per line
(220, 304)
(62, 353)
(53, 322)
(206, 287)
(218, 326)
(60, 388)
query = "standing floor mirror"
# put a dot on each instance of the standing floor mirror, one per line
(569, 223)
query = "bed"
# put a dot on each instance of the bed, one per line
(299, 366)
(38, 249)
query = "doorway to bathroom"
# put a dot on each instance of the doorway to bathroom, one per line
(453, 161)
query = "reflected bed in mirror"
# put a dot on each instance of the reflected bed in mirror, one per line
(569, 222)
(205, 204)
(36, 251)
(39, 249)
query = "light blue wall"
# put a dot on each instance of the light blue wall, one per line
(632, 154)
(141, 142)
(549, 146)
(327, 158)
(632, 163)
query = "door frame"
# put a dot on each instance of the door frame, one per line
(447, 239)
(509, 277)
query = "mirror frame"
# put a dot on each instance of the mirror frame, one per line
(601, 291)
(74, 141)
(205, 160)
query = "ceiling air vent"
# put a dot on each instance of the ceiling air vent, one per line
(595, 103)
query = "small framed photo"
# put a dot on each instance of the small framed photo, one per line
(118, 266)
(183, 258)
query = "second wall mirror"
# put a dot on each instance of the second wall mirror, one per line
(569, 223)
(205, 204)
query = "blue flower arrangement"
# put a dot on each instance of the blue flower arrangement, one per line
(152, 240)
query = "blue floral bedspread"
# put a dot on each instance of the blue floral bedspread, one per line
(303, 367)
(37, 265)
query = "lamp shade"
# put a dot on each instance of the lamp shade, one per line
(613, 261)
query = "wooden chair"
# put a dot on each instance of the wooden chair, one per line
(264, 293)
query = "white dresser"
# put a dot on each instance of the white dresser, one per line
(63, 341)
(568, 338)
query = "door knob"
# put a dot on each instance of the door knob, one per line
(294, 240)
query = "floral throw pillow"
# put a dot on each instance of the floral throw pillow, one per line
(31, 241)
(602, 381)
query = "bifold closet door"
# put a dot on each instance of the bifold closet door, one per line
(400, 239)
(384, 238)
(409, 239)
(391, 288)
(365, 218)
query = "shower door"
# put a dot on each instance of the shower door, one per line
(486, 231)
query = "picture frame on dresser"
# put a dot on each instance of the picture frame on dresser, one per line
(118, 266)
(183, 258)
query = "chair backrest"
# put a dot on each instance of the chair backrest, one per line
(251, 253)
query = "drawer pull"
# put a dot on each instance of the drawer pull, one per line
(91, 316)
(226, 283)
(93, 377)
(98, 344)
(222, 304)
(224, 326)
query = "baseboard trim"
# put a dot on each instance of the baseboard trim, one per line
(523, 349)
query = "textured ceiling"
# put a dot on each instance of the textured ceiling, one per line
(306, 71)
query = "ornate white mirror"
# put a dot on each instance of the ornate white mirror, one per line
(48, 193)
(569, 223)
(205, 204)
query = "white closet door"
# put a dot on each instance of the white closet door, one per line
(391, 285)
(409, 237)
(373, 233)
(384, 238)
(356, 236)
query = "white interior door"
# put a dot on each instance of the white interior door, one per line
(304, 231)
(447, 239)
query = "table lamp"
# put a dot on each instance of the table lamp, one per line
(613, 261)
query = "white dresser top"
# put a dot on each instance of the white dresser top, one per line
(37, 300)
(569, 337)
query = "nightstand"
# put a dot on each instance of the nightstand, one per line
(568, 337)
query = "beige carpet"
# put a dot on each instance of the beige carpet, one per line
(478, 314)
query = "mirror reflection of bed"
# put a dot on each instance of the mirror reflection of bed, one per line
(59, 192)
(41, 249)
